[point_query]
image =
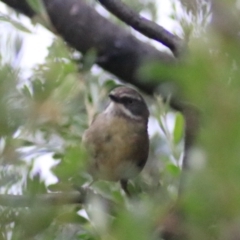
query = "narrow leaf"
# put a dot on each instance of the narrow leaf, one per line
(178, 128)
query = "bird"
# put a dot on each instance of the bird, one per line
(117, 139)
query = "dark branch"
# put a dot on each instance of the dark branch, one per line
(20, 6)
(145, 26)
(118, 51)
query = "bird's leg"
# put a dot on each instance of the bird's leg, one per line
(124, 184)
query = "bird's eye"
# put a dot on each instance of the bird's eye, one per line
(127, 100)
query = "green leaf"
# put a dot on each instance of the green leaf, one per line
(35, 185)
(26, 92)
(178, 128)
(71, 217)
(72, 165)
(88, 60)
(36, 220)
(173, 169)
(110, 84)
(36, 5)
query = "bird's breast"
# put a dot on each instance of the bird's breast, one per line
(119, 147)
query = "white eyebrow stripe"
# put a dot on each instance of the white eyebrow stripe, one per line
(111, 110)
(130, 96)
(129, 113)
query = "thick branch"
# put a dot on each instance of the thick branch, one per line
(20, 6)
(118, 51)
(145, 26)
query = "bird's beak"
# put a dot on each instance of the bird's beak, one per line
(113, 97)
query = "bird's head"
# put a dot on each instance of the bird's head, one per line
(127, 102)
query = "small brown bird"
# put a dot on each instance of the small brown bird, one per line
(118, 139)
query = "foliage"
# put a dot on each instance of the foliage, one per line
(43, 119)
